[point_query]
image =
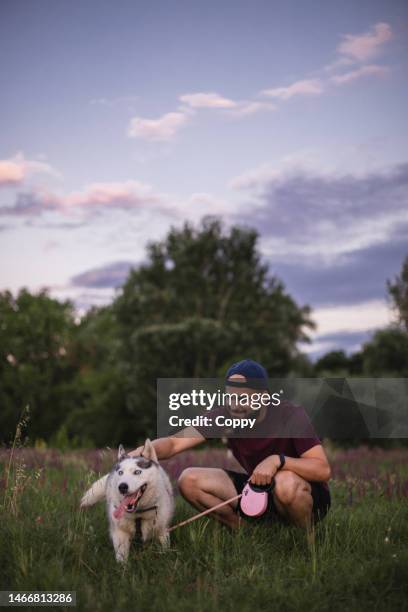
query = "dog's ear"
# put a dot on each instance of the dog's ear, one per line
(121, 452)
(149, 452)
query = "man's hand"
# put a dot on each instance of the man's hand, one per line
(137, 452)
(265, 471)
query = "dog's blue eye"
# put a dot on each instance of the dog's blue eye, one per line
(137, 472)
(120, 473)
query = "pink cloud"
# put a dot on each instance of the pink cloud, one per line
(97, 196)
(245, 109)
(299, 88)
(362, 47)
(11, 172)
(162, 129)
(207, 100)
(348, 77)
(14, 170)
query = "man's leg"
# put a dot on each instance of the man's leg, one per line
(207, 487)
(293, 498)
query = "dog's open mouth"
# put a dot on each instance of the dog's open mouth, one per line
(132, 500)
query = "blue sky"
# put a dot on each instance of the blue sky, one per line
(118, 120)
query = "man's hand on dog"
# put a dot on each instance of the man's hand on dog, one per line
(265, 471)
(137, 452)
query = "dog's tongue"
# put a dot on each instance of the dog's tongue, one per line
(128, 500)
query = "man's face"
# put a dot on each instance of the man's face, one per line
(240, 406)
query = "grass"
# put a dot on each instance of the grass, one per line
(359, 560)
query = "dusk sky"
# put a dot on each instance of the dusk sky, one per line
(121, 119)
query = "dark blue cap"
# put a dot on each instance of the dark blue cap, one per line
(255, 374)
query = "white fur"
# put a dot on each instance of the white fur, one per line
(155, 522)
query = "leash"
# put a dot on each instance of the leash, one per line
(121, 510)
(196, 516)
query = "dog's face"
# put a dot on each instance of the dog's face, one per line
(135, 478)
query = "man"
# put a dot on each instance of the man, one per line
(298, 465)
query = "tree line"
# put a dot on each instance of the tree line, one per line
(203, 299)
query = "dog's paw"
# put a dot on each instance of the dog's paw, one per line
(164, 539)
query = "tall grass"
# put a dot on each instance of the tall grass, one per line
(359, 559)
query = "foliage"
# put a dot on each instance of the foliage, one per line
(35, 370)
(202, 299)
(359, 559)
(398, 291)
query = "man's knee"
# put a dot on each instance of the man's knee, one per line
(188, 481)
(289, 488)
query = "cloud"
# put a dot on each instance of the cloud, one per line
(11, 173)
(363, 47)
(350, 342)
(28, 205)
(356, 276)
(207, 100)
(50, 245)
(299, 88)
(245, 109)
(111, 275)
(82, 297)
(337, 213)
(158, 130)
(352, 49)
(345, 327)
(369, 70)
(126, 195)
(362, 317)
(79, 206)
(15, 170)
(166, 127)
(234, 108)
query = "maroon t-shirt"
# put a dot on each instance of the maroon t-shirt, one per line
(249, 452)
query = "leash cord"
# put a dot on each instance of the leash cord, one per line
(196, 516)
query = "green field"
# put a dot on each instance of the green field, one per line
(359, 560)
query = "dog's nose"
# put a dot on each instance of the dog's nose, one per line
(123, 487)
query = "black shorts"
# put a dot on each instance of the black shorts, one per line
(320, 495)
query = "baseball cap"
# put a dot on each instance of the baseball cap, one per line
(255, 374)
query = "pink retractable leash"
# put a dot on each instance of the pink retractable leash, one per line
(254, 502)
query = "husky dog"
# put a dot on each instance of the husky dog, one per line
(136, 488)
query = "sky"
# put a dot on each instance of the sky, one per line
(120, 120)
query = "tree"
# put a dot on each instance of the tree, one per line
(386, 354)
(334, 362)
(100, 415)
(35, 332)
(398, 291)
(202, 300)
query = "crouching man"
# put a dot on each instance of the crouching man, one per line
(299, 466)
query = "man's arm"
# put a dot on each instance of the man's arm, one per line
(167, 447)
(312, 465)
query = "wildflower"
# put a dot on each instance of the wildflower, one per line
(11, 359)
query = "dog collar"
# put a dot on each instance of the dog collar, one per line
(145, 509)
